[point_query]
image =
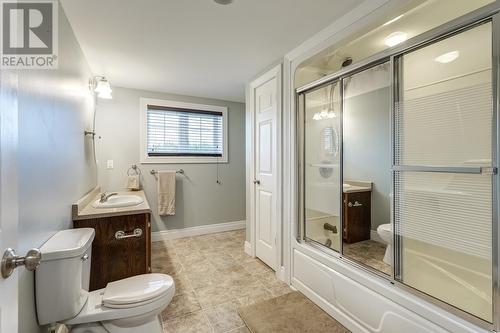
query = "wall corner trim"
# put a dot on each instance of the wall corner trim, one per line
(158, 236)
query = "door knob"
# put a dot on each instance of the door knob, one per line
(10, 261)
(257, 182)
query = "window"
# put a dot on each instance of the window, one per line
(175, 132)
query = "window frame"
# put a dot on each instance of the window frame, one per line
(147, 159)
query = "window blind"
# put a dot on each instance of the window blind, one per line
(184, 132)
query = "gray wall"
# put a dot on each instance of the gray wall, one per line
(199, 199)
(367, 143)
(56, 165)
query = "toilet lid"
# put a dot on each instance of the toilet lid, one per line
(136, 289)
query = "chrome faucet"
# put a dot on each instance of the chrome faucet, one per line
(105, 196)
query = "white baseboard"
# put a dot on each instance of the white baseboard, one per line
(375, 237)
(248, 248)
(158, 236)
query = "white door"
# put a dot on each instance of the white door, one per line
(8, 197)
(266, 108)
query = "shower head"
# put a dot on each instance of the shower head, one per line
(347, 61)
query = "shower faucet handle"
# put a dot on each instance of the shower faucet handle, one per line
(256, 181)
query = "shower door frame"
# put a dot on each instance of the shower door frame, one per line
(489, 13)
(302, 151)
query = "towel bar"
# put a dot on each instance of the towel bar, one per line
(180, 171)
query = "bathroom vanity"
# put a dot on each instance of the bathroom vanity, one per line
(122, 244)
(357, 211)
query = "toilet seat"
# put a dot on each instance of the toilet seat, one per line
(385, 232)
(135, 290)
(133, 304)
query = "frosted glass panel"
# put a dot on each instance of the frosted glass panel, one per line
(451, 128)
(444, 220)
(445, 114)
(322, 166)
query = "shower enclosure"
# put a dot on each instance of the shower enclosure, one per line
(439, 157)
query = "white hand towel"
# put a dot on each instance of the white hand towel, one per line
(133, 183)
(166, 192)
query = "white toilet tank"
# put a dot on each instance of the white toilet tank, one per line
(62, 279)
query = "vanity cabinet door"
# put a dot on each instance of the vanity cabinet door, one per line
(118, 251)
(357, 217)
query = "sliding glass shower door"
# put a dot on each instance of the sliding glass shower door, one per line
(321, 142)
(443, 170)
(419, 209)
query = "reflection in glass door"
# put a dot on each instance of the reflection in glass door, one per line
(443, 171)
(320, 123)
(366, 168)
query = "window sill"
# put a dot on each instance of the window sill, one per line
(182, 160)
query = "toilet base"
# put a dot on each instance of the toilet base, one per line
(88, 328)
(388, 255)
(152, 326)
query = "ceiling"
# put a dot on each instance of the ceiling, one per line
(194, 47)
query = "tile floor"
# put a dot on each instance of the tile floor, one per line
(370, 253)
(213, 277)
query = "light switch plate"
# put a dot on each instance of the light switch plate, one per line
(109, 164)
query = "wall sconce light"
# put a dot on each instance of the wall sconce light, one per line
(324, 114)
(102, 87)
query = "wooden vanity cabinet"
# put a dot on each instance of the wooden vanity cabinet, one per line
(357, 216)
(117, 252)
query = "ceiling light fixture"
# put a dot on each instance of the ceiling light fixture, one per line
(393, 20)
(223, 2)
(447, 57)
(395, 38)
(102, 87)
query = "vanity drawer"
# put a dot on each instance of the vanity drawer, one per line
(121, 248)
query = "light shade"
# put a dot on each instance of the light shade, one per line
(103, 88)
(395, 38)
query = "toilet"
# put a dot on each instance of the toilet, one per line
(385, 232)
(131, 305)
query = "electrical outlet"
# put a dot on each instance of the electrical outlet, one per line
(109, 164)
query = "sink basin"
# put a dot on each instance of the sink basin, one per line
(115, 201)
(346, 186)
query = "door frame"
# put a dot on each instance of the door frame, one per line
(250, 243)
(9, 205)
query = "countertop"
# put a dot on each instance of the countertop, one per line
(357, 186)
(83, 208)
